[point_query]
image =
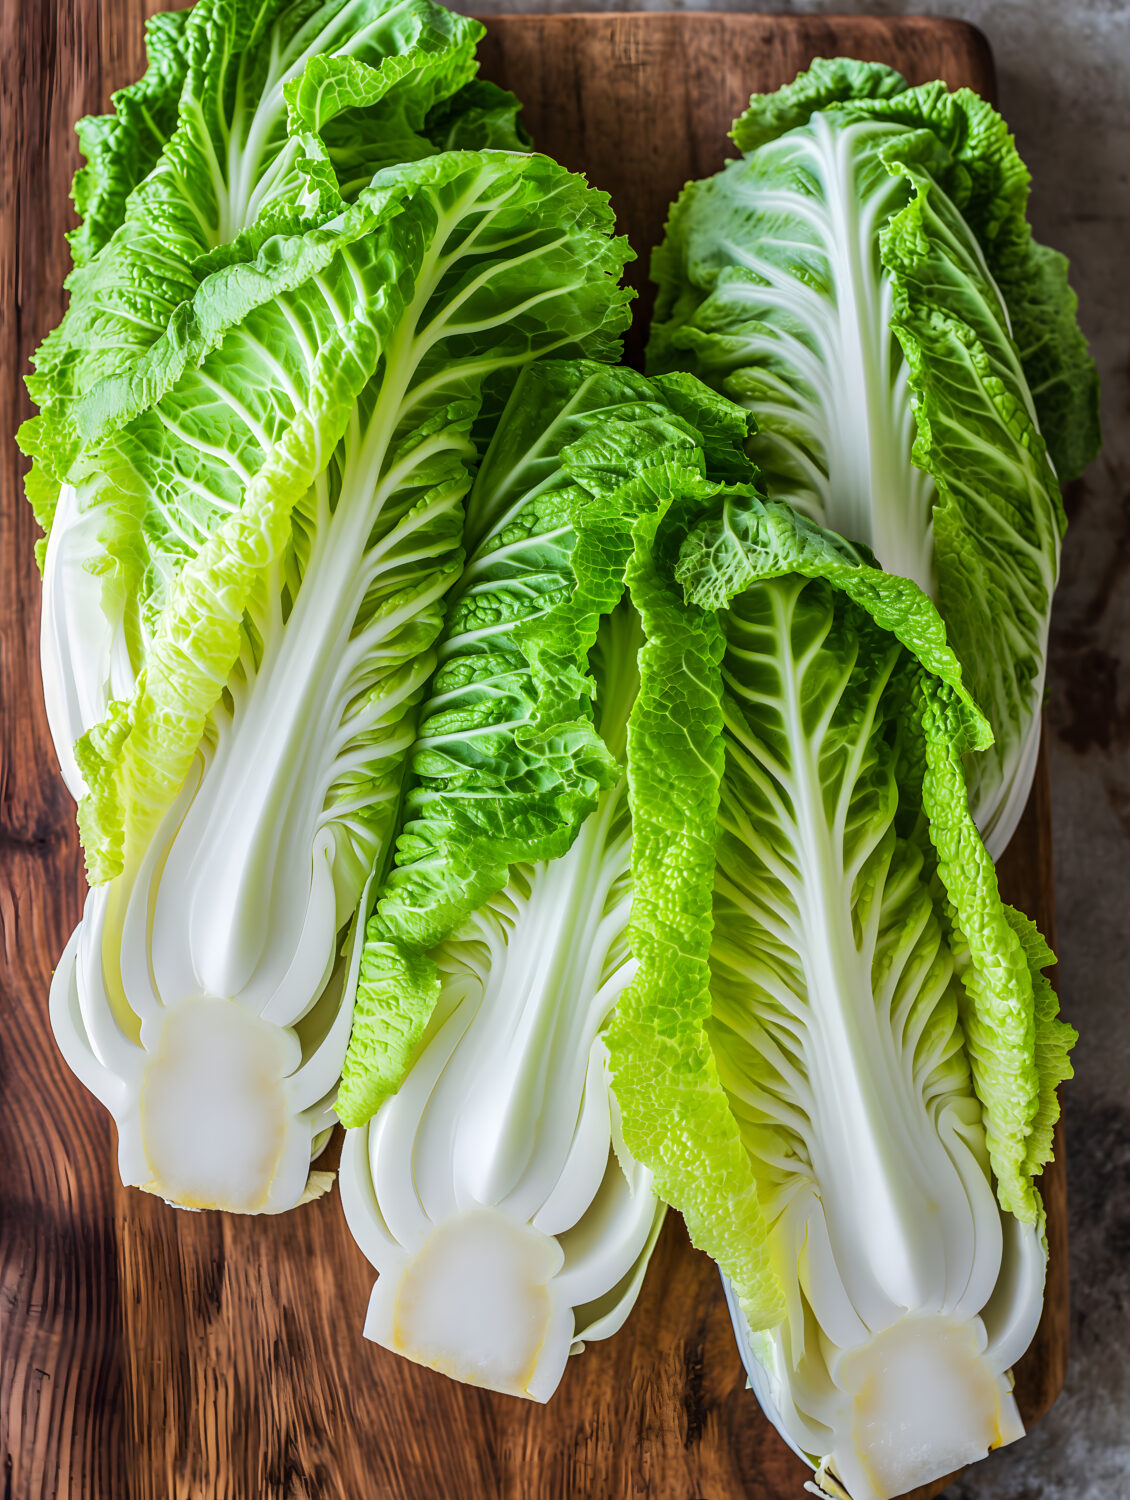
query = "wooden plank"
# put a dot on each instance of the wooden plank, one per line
(150, 1353)
(60, 1367)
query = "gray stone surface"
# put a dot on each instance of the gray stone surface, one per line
(1064, 70)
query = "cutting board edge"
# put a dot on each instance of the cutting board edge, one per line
(976, 43)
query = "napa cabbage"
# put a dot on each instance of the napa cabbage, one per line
(841, 1063)
(486, 1178)
(301, 440)
(864, 280)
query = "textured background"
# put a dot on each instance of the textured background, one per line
(1064, 73)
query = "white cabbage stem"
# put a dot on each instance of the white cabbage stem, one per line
(217, 1103)
(493, 1192)
(900, 1404)
(83, 654)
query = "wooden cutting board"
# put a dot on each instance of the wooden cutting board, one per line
(147, 1354)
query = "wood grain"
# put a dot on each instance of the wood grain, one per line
(153, 1355)
(60, 1339)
